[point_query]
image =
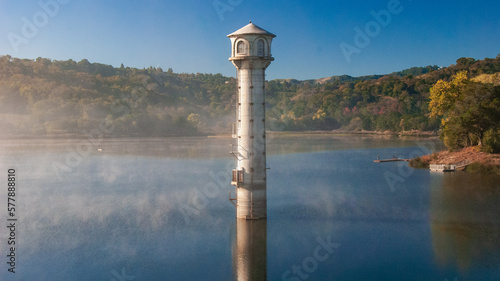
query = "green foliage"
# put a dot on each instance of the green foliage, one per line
(491, 141)
(395, 102)
(418, 163)
(415, 71)
(45, 96)
(465, 62)
(469, 109)
(482, 168)
(66, 97)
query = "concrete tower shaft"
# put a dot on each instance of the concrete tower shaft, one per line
(251, 55)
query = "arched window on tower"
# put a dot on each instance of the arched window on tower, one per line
(260, 48)
(241, 48)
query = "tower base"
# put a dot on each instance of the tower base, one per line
(251, 204)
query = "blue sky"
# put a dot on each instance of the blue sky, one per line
(190, 36)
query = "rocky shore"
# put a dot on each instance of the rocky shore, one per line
(471, 159)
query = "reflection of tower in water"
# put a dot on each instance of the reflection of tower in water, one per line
(250, 250)
(465, 225)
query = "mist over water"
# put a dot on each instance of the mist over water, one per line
(156, 210)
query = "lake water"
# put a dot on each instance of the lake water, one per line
(158, 209)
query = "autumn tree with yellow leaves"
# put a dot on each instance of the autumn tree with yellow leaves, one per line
(470, 112)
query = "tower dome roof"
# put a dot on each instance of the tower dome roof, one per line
(251, 29)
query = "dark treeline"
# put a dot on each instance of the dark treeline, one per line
(48, 97)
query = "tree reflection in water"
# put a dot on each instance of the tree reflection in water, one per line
(465, 221)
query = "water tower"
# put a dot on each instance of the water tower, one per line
(251, 55)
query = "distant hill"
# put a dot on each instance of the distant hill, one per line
(49, 97)
(415, 71)
(339, 78)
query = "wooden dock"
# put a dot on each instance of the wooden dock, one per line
(449, 167)
(390, 160)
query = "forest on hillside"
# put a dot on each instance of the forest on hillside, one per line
(48, 97)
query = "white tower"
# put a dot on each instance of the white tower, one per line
(251, 54)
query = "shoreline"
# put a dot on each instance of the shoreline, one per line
(413, 133)
(471, 158)
(422, 134)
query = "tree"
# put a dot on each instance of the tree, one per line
(444, 94)
(491, 141)
(465, 62)
(194, 119)
(468, 109)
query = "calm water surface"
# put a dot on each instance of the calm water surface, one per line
(158, 209)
